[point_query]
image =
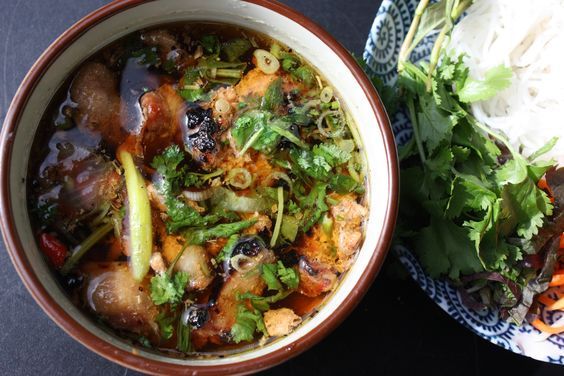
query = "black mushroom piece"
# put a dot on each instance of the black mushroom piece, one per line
(288, 256)
(249, 246)
(200, 130)
(195, 315)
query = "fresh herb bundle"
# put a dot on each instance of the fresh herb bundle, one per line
(470, 205)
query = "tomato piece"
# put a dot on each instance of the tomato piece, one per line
(53, 248)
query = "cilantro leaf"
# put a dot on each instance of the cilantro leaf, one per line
(183, 215)
(289, 61)
(210, 43)
(227, 249)
(199, 236)
(167, 165)
(278, 278)
(495, 80)
(439, 165)
(173, 176)
(512, 172)
(274, 275)
(193, 95)
(292, 208)
(235, 48)
(445, 248)
(332, 154)
(274, 96)
(165, 289)
(526, 205)
(165, 325)
(262, 303)
(469, 195)
(305, 75)
(191, 75)
(544, 149)
(313, 206)
(288, 276)
(311, 164)
(247, 323)
(268, 274)
(343, 184)
(251, 130)
(434, 126)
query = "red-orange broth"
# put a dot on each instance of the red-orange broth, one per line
(158, 175)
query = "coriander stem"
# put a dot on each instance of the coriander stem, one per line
(289, 135)
(176, 258)
(446, 29)
(489, 131)
(406, 46)
(435, 53)
(251, 141)
(83, 247)
(228, 73)
(461, 8)
(279, 217)
(411, 109)
(211, 175)
(416, 71)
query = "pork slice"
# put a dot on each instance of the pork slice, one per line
(223, 314)
(163, 110)
(95, 92)
(113, 294)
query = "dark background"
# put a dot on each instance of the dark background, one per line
(395, 330)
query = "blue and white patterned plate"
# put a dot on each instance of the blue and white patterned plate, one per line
(381, 52)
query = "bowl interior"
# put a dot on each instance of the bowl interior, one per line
(252, 16)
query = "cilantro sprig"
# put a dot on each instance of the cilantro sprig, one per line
(470, 202)
(168, 289)
(174, 176)
(279, 279)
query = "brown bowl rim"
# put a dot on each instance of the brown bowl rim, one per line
(129, 359)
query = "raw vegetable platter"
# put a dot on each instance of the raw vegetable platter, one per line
(382, 49)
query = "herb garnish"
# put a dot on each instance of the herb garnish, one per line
(465, 190)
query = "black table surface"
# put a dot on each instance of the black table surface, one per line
(396, 329)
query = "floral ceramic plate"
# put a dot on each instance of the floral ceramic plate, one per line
(381, 52)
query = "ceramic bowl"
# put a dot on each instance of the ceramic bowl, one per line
(120, 18)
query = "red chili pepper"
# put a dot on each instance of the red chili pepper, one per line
(53, 248)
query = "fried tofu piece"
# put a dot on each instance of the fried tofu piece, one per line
(280, 322)
(348, 216)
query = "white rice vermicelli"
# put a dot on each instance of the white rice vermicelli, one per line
(528, 37)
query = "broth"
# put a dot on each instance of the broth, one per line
(196, 187)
